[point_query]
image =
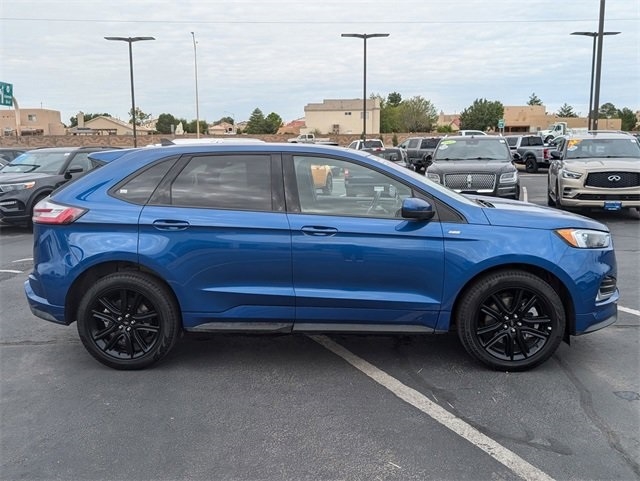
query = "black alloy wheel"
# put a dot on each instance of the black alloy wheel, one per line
(128, 320)
(511, 320)
(530, 165)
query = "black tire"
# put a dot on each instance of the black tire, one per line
(328, 185)
(510, 320)
(550, 201)
(530, 165)
(134, 336)
(558, 197)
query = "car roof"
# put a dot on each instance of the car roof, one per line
(599, 134)
(72, 148)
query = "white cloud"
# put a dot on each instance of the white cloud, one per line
(280, 55)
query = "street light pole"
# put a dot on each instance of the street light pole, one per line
(592, 112)
(130, 40)
(364, 36)
(195, 62)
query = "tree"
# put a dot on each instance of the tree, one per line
(534, 100)
(607, 111)
(164, 123)
(628, 118)
(73, 121)
(394, 99)
(226, 120)
(417, 115)
(481, 115)
(566, 111)
(256, 122)
(140, 117)
(191, 127)
(272, 123)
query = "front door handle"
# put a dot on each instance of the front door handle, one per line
(170, 224)
(319, 230)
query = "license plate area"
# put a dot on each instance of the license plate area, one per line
(612, 205)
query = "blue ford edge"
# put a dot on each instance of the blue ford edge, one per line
(239, 237)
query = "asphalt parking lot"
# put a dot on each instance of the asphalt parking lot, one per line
(231, 407)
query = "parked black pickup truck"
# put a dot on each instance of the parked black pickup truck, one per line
(533, 153)
(418, 148)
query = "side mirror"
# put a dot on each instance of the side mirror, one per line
(556, 155)
(428, 160)
(418, 209)
(68, 172)
(516, 156)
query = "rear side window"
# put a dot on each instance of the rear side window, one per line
(512, 141)
(238, 182)
(139, 188)
(429, 143)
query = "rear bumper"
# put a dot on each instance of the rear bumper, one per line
(41, 308)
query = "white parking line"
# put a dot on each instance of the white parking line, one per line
(630, 311)
(494, 449)
(524, 194)
(23, 260)
(10, 271)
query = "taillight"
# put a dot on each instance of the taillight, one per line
(47, 212)
(346, 173)
(546, 154)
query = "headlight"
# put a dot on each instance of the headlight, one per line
(584, 238)
(509, 178)
(568, 174)
(434, 177)
(20, 186)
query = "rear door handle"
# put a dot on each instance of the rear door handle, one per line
(170, 224)
(319, 230)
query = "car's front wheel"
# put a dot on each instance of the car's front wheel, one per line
(510, 320)
(128, 320)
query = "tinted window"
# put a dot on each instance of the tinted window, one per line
(356, 190)
(512, 141)
(429, 143)
(80, 161)
(413, 143)
(241, 182)
(139, 188)
(471, 149)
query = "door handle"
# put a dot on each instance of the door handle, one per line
(319, 230)
(170, 224)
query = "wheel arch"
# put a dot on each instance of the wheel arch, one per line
(544, 274)
(98, 271)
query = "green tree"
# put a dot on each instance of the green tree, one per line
(227, 120)
(73, 121)
(394, 99)
(272, 123)
(255, 125)
(164, 123)
(628, 118)
(140, 117)
(566, 111)
(534, 100)
(417, 115)
(191, 127)
(607, 111)
(481, 115)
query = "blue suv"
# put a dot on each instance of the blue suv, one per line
(238, 237)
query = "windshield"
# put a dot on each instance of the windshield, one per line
(602, 148)
(34, 161)
(372, 144)
(473, 149)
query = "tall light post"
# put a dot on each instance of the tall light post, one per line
(130, 40)
(365, 36)
(593, 114)
(195, 63)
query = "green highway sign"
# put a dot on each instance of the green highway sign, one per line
(501, 124)
(6, 94)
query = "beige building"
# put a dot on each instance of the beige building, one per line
(532, 118)
(31, 122)
(103, 125)
(336, 116)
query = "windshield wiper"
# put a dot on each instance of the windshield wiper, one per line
(481, 158)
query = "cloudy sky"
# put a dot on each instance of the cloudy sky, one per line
(281, 55)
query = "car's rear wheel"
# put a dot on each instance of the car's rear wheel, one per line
(510, 320)
(530, 165)
(128, 320)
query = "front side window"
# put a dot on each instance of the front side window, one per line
(237, 181)
(336, 187)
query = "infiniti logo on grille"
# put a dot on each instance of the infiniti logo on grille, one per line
(614, 178)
